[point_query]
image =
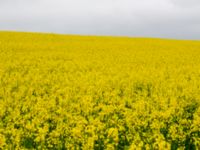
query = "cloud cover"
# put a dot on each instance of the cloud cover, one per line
(145, 18)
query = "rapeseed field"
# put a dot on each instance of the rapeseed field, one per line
(87, 92)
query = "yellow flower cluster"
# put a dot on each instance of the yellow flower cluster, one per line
(76, 92)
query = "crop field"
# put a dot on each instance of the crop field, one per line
(87, 92)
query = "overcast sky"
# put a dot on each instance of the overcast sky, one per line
(144, 18)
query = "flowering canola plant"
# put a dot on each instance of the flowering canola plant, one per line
(87, 92)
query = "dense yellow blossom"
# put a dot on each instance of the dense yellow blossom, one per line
(86, 92)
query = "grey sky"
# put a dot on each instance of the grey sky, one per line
(145, 18)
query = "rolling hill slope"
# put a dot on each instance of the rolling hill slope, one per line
(87, 92)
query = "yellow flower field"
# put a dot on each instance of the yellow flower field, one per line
(87, 92)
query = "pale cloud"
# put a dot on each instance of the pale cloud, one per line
(186, 3)
(147, 18)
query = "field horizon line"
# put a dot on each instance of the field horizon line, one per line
(98, 36)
